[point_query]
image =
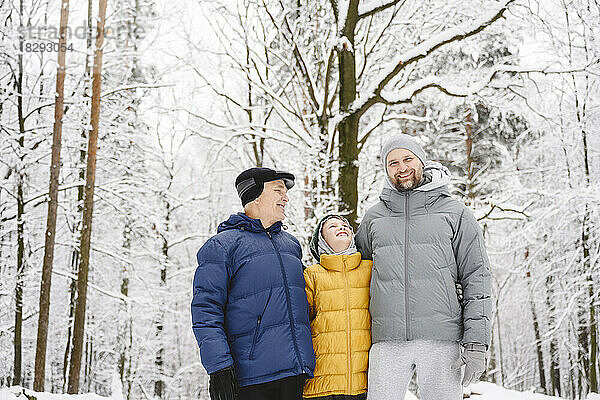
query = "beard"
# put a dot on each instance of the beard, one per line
(405, 185)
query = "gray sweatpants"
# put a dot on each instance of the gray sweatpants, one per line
(392, 365)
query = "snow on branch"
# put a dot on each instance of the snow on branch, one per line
(288, 35)
(342, 13)
(375, 6)
(405, 94)
(135, 87)
(505, 210)
(545, 70)
(470, 28)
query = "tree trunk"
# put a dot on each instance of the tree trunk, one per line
(587, 267)
(89, 363)
(80, 194)
(159, 384)
(470, 196)
(72, 296)
(571, 377)
(123, 332)
(42, 333)
(348, 129)
(19, 283)
(88, 206)
(590, 358)
(536, 328)
(588, 325)
(125, 339)
(258, 143)
(20, 220)
(554, 360)
(538, 346)
(585, 234)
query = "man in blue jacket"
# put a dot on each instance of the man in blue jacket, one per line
(249, 310)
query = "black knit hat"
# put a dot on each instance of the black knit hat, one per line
(314, 241)
(251, 182)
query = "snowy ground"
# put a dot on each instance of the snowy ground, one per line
(17, 393)
(478, 391)
(489, 391)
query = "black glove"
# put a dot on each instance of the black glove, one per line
(223, 385)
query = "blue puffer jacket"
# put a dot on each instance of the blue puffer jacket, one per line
(249, 307)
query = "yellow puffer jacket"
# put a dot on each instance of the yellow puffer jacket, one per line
(338, 295)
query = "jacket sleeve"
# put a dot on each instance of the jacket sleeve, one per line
(210, 296)
(474, 275)
(363, 239)
(310, 292)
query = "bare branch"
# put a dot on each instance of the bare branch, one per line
(188, 237)
(424, 49)
(135, 87)
(330, 61)
(504, 209)
(378, 38)
(409, 91)
(60, 188)
(376, 9)
(36, 196)
(363, 140)
(297, 56)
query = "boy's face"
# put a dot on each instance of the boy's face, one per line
(337, 233)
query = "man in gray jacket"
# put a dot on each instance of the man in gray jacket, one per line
(424, 244)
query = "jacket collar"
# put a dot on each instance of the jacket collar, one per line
(334, 262)
(396, 201)
(244, 222)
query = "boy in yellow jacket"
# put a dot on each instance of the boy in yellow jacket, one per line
(338, 294)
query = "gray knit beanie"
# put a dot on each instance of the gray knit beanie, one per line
(402, 141)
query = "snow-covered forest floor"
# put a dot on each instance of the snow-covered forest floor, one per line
(477, 391)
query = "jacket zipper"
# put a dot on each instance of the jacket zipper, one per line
(258, 321)
(406, 297)
(251, 356)
(348, 326)
(289, 302)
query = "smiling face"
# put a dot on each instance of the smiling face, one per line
(337, 233)
(269, 207)
(404, 169)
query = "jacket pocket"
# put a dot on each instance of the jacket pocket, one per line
(258, 321)
(450, 287)
(255, 338)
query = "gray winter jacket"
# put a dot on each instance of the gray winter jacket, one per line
(422, 242)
